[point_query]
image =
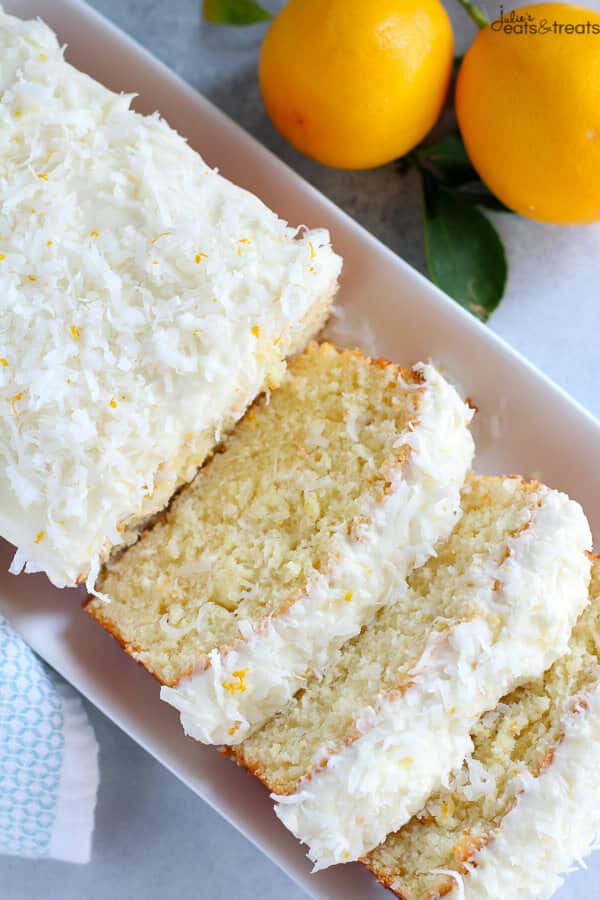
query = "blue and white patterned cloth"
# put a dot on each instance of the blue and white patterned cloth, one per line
(48, 759)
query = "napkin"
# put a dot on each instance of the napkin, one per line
(48, 759)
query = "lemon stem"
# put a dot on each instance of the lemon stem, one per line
(478, 17)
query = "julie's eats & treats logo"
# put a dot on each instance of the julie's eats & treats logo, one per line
(515, 22)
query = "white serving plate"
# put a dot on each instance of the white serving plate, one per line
(525, 424)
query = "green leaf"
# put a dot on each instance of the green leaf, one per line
(456, 66)
(234, 12)
(480, 195)
(451, 148)
(449, 159)
(464, 253)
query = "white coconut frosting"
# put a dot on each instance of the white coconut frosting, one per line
(145, 301)
(553, 824)
(421, 508)
(408, 746)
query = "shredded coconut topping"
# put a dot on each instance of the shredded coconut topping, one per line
(142, 297)
(410, 745)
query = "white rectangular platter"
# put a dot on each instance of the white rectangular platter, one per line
(525, 424)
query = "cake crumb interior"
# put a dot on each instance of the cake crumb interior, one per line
(262, 518)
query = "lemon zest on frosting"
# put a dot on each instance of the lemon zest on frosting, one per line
(237, 686)
(14, 400)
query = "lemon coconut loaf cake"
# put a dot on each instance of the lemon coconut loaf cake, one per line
(326, 495)
(145, 301)
(526, 804)
(358, 750)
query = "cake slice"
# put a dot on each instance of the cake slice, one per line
(326, 495)
(359, 750)
(526, 804)
(145, 303)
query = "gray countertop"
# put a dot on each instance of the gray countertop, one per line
(154, 839)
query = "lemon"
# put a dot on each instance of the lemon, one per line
(528, 106)
(356, 83)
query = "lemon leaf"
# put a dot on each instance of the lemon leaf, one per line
(464, 254)
(456, 66)
(450, 160)
(477, 193)
(234, 12)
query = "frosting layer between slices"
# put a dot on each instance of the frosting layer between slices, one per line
(408, 746)
(420, 509)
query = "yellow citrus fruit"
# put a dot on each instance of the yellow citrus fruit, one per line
(528, 106)
(356, 83)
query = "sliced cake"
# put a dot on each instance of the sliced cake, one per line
(327, 494)
(145, 302)
(358, 750)
(526, 804)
